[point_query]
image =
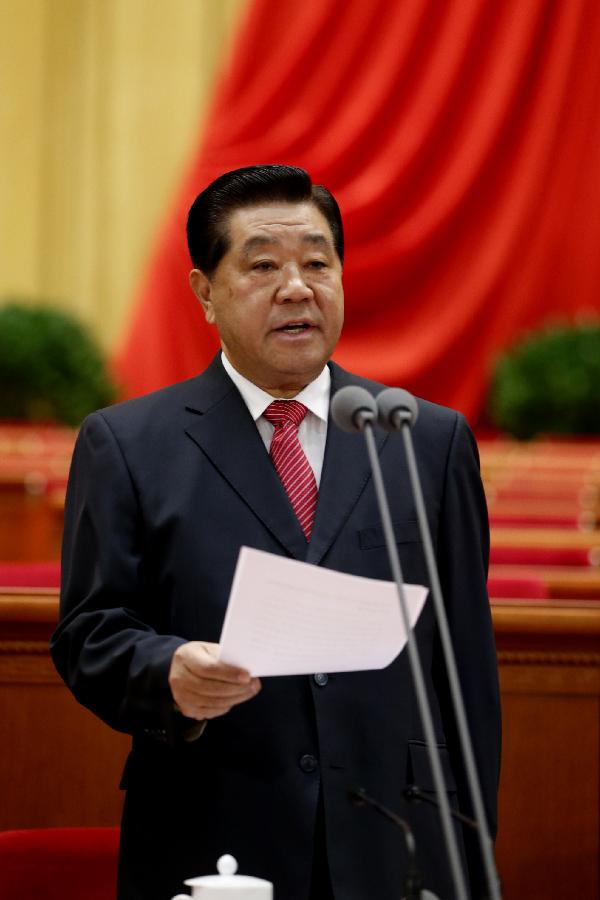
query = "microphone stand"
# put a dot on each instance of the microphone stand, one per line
(414, 794)
(413, 883)
(361, 419)
(398, 411)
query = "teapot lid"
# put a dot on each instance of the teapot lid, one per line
(227, 879)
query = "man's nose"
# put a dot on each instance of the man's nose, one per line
(293, 287)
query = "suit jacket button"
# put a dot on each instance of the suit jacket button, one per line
(321, 678)
(308, 762)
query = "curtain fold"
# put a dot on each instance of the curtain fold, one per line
(462, 141)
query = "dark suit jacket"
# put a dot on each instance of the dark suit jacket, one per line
(163, 492)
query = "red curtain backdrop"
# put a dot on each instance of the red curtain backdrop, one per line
(462, 140)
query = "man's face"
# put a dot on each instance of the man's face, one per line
(276, 296)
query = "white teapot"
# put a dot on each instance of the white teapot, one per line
(227, 885)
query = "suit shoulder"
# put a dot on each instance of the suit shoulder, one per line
(148, 404)
(431, 415)
(146, 417)
(437, 415)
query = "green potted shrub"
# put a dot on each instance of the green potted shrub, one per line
(549, 383)
(51, 370)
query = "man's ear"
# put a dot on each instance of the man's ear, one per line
(200, 285)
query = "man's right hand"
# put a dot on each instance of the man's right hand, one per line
(203, 687)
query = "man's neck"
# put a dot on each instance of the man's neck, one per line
(278, 393)
(284, 395)
(315, 395)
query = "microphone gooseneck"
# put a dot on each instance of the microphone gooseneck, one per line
(353, 409)
(414, 794)
(413, 883)
(397, 411)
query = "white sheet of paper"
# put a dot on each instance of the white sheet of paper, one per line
(287, 617)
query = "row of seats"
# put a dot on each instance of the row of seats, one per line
(544, 507)
(543, 499)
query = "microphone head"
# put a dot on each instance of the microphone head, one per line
(412, 793)
(357, 796)
(352, 407)
(396, 407)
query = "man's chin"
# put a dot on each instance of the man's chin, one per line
(283, 371)
(291, 380)
(304, 372)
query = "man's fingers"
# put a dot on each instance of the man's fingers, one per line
(202, 686)
(194, 704)
(200, 658)
(201, 713)
(193, 708)
(214, 692)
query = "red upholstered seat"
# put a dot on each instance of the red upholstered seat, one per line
(541, 556)
(59, 864)
(524, 519)
(30, 574)
(526, 588)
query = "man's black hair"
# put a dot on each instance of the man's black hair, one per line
(207, 233)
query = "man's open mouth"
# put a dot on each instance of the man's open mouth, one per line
(294, 327)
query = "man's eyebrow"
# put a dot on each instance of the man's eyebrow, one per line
(317, 239)
(258, 241)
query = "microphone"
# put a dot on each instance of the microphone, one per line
(397, 411)
(413, 884)
(353, 409)
(396, 407)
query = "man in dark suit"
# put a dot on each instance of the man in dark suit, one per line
(163, 492)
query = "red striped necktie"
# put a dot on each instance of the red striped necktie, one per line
(290, 461)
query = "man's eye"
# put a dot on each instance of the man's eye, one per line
(264, 265)
(317, 264)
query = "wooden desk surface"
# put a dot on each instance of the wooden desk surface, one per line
(64, 764)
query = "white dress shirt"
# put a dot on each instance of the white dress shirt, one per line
(312, 432)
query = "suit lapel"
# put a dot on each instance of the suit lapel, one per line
(222, 427)
(346, 472)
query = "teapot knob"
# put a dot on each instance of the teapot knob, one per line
(227, 865)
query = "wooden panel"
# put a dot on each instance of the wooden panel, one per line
(30, 525)
(68, 771)
(62, 765)
(549, 832)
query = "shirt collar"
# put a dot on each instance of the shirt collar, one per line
(315, 396)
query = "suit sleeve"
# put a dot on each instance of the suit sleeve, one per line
(463, 556)
(108, 646)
